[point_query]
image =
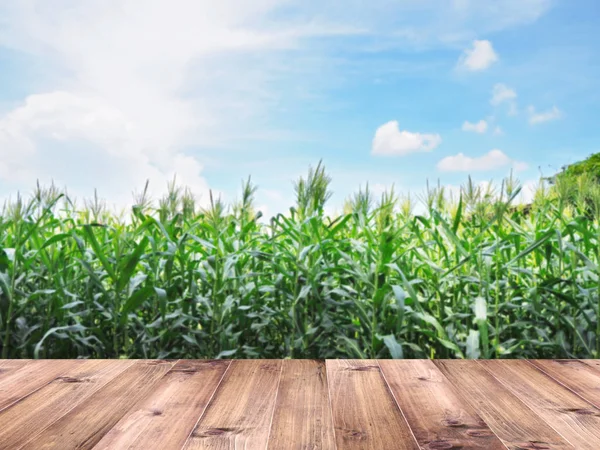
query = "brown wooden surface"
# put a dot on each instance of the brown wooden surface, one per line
(506, 415)
(302, 417)
(19, 383)
(438, 417)
(84, 425)
(365, 415)
(36, 412)
(578, 376)
(165, 418)
(7, 366)
(575, 419)
(590, 362)
(241, 412)
(300, 404)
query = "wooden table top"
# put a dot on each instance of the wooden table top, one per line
(299, 404)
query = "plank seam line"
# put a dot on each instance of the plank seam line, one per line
(524, 403)
(140, 402)
(460, 396)
(207, 404)
(330, 407)
(20, 399)
(38, 432)
(387, 385)
(29, 393)
(466, 398)
(274, 404)
(133, 405)
(564, 385)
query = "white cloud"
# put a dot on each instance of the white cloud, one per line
(494, 159)
(520, 166)
(83, 143)
(138, 89)
(502, 93)
(546, 116)
(139, 83)
(479, 127)
(390, 141)
(479, 57)
(498, 131)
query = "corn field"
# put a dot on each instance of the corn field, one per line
(471, 276)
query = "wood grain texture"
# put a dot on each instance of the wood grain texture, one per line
(365, 415)
(241, 411)
(575, 419)
(7, 366)
(84, 425)
(513, 421)
(302, 417)
(20, 383)
(299, 404)
(576, 375)
(165, 419)
(25, 419)
(595, 363)
(438, 417)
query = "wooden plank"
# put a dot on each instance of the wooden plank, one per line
(165, 419)
(29, 378)
(576, 375)
(575, 419)
(365, 415)
(84, 425)
(507, 416)
(241, 411)
(29, 417)
(437, 416)
(595, 363)
(8, 366)
(302, 418)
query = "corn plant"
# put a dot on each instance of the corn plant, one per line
(474, 276)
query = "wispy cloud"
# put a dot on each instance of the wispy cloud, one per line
(501, 94)
(536, 118)
(495, 159)
(479, 127)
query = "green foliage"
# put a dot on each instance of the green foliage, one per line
(474, 276)
(590, 166)
(579, 185)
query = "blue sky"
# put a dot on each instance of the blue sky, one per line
(107, 94)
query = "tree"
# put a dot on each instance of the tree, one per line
(589, 166)
(578, 185)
